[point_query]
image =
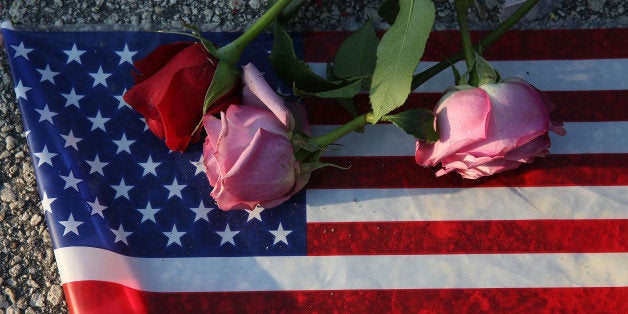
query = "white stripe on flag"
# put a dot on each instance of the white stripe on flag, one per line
(275, 273)
(443, 204)
(555, 75)
(581, 138)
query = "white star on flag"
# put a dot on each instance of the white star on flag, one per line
(20, 91)
(149, 166)
(45, 157)
(98, 122)
(47, 74)
(124, 144)
(174, 236)
(70, 225)
(227, 235)
(148, 213)
(45, 114)
(72, 99)
(122, 189)
(121, 235)
(96, 165)
(126, 55)
(74, 54)
(201, 212)
(46, 202)
(71, 140)
(97, 208)
(174, 189)
(21, 51)
(121, 102)
(100, 77)
(200, 166)
(280, 235)
(71, 181)
(255, 213)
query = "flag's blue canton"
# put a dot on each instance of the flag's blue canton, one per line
(105, 180)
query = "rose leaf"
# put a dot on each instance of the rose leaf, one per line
(416, 122)
(398, 55)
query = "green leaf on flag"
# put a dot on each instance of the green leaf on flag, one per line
(348, 90)
(398, 55)
(416, 122)
(357, 54)
(347, 104)
(292, 70)
(225, 78)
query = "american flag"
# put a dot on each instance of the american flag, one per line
(134, 229)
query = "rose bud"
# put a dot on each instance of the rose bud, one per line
(489, 129)
(248, 154)
(170, 91)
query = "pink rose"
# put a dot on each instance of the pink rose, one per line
(248, 152)
(489, 129)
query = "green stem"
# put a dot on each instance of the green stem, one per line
(493, 36)
(231, 52)
(291, 10)
(462, 7)
(328, 138)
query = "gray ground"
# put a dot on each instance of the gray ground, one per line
(29, 281)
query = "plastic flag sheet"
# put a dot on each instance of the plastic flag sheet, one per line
(134, 229)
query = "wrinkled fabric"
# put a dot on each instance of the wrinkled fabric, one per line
(248, 154)
(489, 129)
(170, 87)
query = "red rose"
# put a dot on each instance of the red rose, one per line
(170, 91)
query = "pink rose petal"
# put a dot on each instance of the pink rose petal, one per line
(260, 88)
(253, 178)
(461, 120)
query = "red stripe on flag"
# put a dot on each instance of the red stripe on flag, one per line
(452, 237)
(100, 297)
(571, 106)
(403, 172)
(515, 45)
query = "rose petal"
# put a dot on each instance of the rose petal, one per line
(145, 95)
(156, 60)
(226, 201)
(301, 181)
(249, 99)
(215, 128)
(461, 163)
(537, 147)
(156, 126)
(472, 167)
(260, 88)
(491, 168)
(555, 126)
(181, 107)
(461, 120)
(517, 116)
(243, 123)
(253, 178)
(160, 97)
